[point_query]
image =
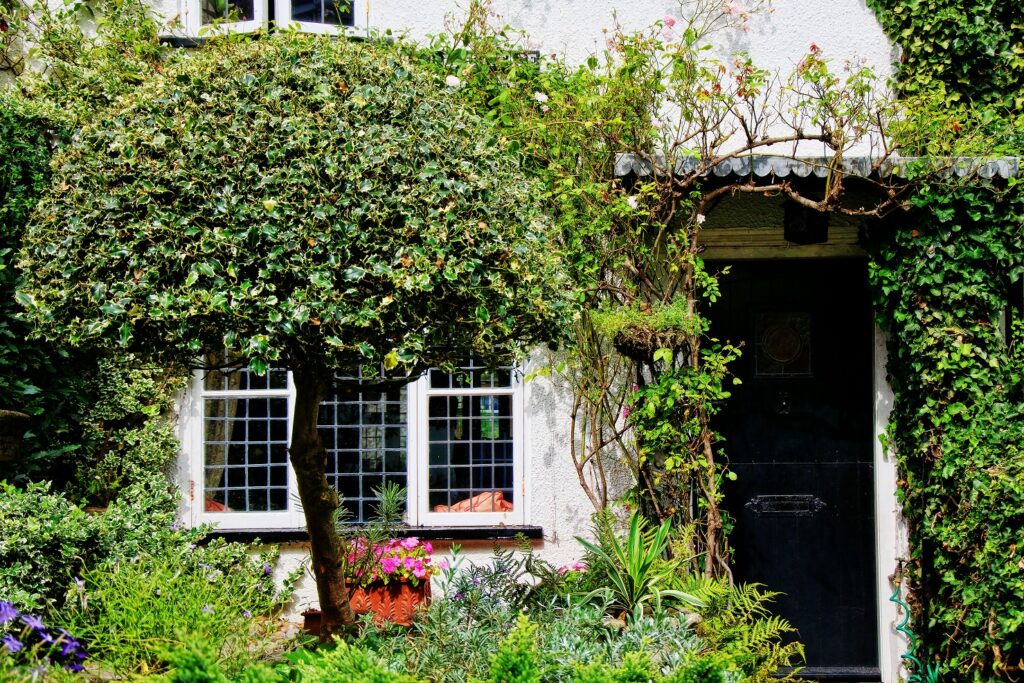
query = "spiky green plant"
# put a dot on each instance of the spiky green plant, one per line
(635, 567)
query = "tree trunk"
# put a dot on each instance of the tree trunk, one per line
(319, 501)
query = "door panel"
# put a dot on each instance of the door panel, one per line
(798, 433)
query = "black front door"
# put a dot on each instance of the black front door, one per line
(798, 433)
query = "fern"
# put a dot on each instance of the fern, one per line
(736, 622)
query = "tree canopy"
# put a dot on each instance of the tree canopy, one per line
(300, 201)
(319, 205)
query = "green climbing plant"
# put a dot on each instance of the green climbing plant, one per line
(947, 283)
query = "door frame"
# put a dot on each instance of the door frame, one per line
(736, 237)
(891, 542)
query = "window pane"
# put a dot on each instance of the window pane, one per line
(470, 452)
(245, 451)
(227, 10)
(473, 375)
(365, 435)
(336, 13)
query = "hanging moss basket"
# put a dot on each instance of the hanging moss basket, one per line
(640, 342)
(12, 434)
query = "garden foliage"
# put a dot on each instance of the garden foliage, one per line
(948, 290)
(129, 581)
(305, 203)
(947, 283)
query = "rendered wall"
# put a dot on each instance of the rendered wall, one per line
(844, 29)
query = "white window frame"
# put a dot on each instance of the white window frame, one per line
(283, 17)
(192, 19)
(193, 432)
(421, 419)
(191, 407)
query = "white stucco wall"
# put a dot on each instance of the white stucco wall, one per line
(776, 40)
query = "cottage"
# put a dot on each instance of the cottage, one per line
(484, 454)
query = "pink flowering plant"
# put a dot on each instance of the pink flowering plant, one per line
(398, 559)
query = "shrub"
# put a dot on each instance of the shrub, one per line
(133, 612)
(125, 438)
(33, 378)
(45, 541)
(344, 663)
(700, 670)
(517, 658)
(195, 663)
(143, 520)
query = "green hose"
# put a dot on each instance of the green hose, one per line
(931, 672)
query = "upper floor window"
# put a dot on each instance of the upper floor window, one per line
(454, 440)
(318, 16)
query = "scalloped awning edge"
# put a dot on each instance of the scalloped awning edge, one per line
(765, 165)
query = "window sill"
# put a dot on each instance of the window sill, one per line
(430, 533)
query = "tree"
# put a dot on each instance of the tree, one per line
(318, 205)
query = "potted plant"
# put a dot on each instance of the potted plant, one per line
(394, 580)
(388, 576)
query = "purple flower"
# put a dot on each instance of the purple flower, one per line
(207, 609)
(247, 614)
(12, 643)
(79, 582)
(69, 648)
(74, 667)
(266, 570)
(34, 623)
(7, 612)
(457, 597)
(46, 637)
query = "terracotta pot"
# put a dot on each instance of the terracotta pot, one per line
(395, 602)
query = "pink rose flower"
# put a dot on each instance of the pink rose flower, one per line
(669, 20)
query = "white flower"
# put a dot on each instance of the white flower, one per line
(452, 81)
(540, 97)
(633, 202)
(701, 218)
(656, 123)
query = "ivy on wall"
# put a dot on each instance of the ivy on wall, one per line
(942, 289)
(973, 50)
(947, 285)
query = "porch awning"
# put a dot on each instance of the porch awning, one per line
(768, 165)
